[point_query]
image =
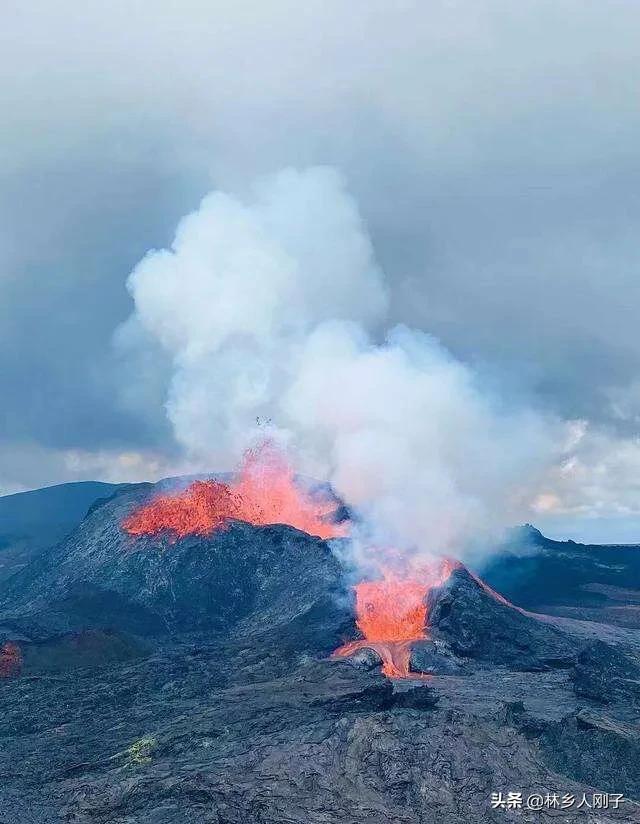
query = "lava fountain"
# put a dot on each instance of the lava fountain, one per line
(263, 492)
(393, 612)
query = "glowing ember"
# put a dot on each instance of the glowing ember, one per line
(393, 612)
(10, 660)
(264, 493)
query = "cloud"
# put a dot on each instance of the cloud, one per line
(24, 465)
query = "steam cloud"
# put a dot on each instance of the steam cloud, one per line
(272, 309)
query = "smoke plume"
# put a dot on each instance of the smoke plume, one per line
(272, 309)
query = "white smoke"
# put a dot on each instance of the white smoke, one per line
(272, 309)
(241, 289)
(429, 460)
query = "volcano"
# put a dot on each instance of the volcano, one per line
(166, 678)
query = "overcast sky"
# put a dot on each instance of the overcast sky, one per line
(492, 147)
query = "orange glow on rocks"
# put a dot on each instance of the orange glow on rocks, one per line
(392, 613)
(10, 660)
(264, 492)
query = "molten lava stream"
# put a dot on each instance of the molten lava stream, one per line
(392, 613)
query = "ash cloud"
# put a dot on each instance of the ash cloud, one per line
(272, 308)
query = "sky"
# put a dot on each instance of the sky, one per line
(491, 148)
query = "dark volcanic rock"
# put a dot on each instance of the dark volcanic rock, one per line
(181, 737)
(478, 625)
(172, 683)
(365, 658)
(90, 648)
(596, 749)
(336, 687)
(416, 696)
(436, 658)
(604, 674)
(245, 580)
(596, 582)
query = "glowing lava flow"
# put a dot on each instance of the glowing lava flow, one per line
(393, 612)
(264, 493)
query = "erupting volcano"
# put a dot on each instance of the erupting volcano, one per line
(264, 492)
(393, 612)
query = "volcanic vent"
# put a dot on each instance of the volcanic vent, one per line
(393, 612)
(401, 615)
(264, 492)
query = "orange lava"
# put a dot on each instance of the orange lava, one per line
(265, 492)
(395, 655)
(10, 660)
(393, 612)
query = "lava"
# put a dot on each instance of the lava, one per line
(264, 492)
(393, 611)
(10, 660)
